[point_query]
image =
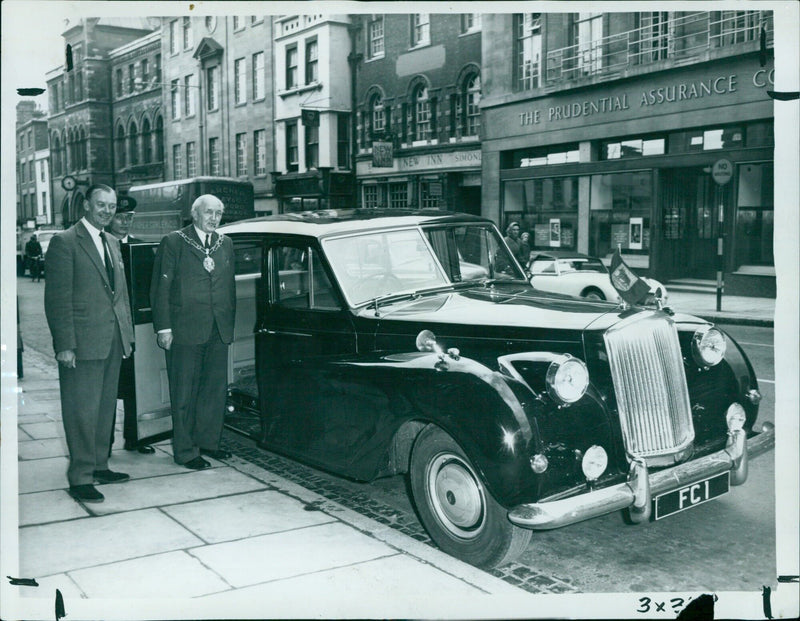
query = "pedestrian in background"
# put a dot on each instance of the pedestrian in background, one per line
(193, 298)
(119, 227)
(33, 255)
(88, 312)
(512, 238)
(525, 248)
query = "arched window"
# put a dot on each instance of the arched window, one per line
(120, 147)
(159, 138)
(56, 156)
(70, 142)
(83, 150)
(422, 113)
(64, 162)
(377, 116)
(133, 145)
(471, 105)
(147, 144)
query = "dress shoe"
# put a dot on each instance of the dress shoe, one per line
(108, 476)
(216, 454)
(144, 449)
(198, 463)
(85, 493)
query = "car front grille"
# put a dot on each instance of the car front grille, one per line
(650, 386)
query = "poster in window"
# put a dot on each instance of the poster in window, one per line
(567, 236)
(555, 232)
(541, 235)
(635, 234)
(619, 236)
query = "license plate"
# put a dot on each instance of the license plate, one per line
(692, 495)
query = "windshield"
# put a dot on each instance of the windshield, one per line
(375, 264)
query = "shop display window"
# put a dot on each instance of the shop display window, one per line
(546, 209)
(634, 147)
(621, 205)
(755, 215)
(706, 139)
(542, 156)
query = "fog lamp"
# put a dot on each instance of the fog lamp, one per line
(708, 346)
(594, 462)
(735, 417)
(567, 379)
(539, 463)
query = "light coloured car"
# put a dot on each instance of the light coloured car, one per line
(580, 275)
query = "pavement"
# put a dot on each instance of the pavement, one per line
(236, 537)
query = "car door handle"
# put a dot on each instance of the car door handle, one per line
(265, 331)
(284, 332)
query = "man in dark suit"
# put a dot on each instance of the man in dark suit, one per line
(87, 309)
(119, 227)
(193, 298)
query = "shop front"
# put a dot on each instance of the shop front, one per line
(629, 165)
(448, 180)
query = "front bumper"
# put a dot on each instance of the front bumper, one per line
(637, 493)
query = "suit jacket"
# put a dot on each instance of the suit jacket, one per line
(188, 299)
(81, 310)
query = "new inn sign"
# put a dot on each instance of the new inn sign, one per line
(451, 160)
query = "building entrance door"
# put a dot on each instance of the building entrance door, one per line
(690, 202)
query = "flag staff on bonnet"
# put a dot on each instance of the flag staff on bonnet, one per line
(632, 289)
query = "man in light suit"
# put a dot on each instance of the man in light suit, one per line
(87, 309)
(193, 298)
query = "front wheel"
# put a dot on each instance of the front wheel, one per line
(455, 507)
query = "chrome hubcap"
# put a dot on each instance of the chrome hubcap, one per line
(456, 496)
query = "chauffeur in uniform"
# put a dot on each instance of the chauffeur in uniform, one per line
(194, 301)
(119, 227)
(87, 309)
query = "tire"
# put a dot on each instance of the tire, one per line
(455, 507)
(593, 294)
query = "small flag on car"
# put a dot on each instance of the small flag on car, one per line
(630, 287)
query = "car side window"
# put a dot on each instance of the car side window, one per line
(543, 266)
(301, 280)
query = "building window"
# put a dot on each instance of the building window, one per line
(258, 76)
(191, 159)
(470, 22)
(468, 110)
(398, 195)
(239, 81)
(291, 147)
(211, 23)
(375, 43)
(188, 95)
(177, 162)
(79, 84)
(312, 146)
(56, 156)
(118, 83)
(145, 72)
(175, 99)
(133, 145)
(755, 215)
(430, 194)
(703, 139)
(620, 207)
(131, 78)
(291, 67)
(241, 155)
(159, 139)
(212, 87)
(188, 39)
(30, 138)
(653, 36)
(371, 196)
(22, 168)
(528, 50)
(343, 140)
(147, 143)
(158, 68)
(260, 151)
(256, 19)
(311, 61)
(377, 115)
(238, 22)
(422, 114)
(42, 171)
(587, 35)
(420, 29)
(213, 157)
(173, 37)
(120, 147)
(633, 147)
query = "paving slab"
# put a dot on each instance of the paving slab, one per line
(24, 417)
(173, 574)
(245, 515)
(172, 489)
(39, 475)
(40, 431)
(391, 587)
(66, 546)
(44, 507)
(41, 449)
(282, 555)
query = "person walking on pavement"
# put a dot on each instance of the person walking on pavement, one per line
(512, 238)
(33, 255)
(119, 227)
(193, 299)
(88, 312)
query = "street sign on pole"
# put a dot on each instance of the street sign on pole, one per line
(722, 171)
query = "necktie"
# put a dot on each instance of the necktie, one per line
(109, 264)
(208, 241)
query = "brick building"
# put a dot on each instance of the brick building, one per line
(32, 157)
(602, 130)
(218, 103)
(418, 111)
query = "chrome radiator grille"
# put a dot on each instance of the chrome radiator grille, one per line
(650, 385)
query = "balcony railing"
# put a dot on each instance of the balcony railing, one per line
(676, 37)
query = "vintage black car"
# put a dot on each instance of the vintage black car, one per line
(381, 342)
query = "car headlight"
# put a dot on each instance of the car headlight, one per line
(708, 346)
(567, 379)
